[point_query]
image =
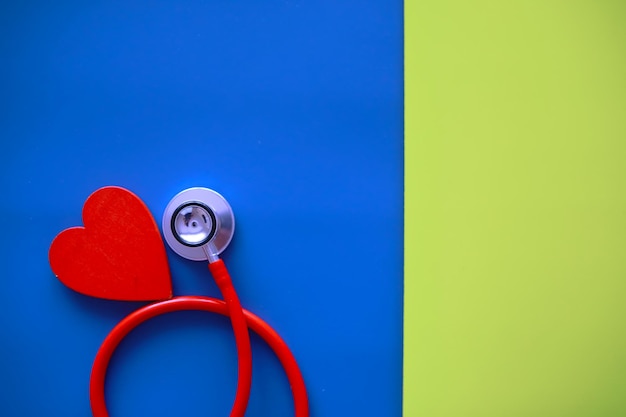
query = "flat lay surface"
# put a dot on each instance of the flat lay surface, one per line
(515, 209)
(292, 111)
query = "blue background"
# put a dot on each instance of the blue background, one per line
(293, 111)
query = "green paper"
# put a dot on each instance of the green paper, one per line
(515, 208)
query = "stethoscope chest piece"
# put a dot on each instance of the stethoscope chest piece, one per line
(198, 223)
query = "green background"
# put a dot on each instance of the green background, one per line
(515, 252)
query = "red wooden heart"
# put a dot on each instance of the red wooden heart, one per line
(118, 255)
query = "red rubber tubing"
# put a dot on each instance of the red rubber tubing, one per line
(242, 337)
(212, 305)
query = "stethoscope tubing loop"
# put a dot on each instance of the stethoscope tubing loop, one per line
(196, 303)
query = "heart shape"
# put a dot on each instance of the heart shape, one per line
(117, 255)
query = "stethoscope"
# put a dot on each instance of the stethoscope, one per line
(198, 224)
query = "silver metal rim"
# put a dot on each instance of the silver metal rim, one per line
(225, 223)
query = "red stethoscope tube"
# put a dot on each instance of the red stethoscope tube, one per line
(241, 320)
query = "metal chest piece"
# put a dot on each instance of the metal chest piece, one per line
(198, 223)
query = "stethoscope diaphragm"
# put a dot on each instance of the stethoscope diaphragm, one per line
(198, 223)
